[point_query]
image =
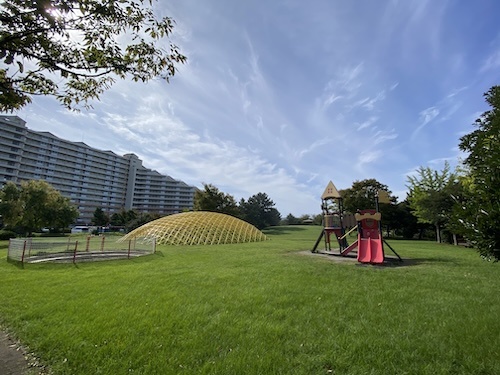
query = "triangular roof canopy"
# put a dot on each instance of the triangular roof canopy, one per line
(331, 192)
(383, 197)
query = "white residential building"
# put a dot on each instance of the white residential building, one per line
(90, 178)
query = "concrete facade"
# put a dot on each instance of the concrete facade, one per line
(90, 178)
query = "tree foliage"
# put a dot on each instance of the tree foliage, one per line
(431, 196)
(100, 218)
(403, 221)
(141, 219)
(259, 211)
(75, 49)
(291, 220)
(34, 205)
(361, 195)
(214, 200)
(481, 208)
(123, 217)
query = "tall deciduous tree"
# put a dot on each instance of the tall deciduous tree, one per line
(75, 49)
(212, 199)
(481, 209)
(10, 206)
(430, 196)
(36, 204)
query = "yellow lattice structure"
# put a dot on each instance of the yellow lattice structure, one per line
(198, 228)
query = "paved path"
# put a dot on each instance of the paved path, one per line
(12, 360)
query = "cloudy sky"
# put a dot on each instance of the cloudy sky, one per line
(283, 96)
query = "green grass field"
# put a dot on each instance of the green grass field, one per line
(259, 308)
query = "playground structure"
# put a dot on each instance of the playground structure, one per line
(198, 228)
(370, 242)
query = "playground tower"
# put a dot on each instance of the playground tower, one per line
(333, 219)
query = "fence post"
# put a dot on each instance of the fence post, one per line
(29, 249)
(74, 253)
(154, 245)
(128, 255)
(24, 249)
(102, 243)
(87, 247)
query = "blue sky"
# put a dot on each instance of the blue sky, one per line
(283, 96)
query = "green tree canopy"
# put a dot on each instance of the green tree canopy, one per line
(123, 217)
(214, 200)
(34, 205)
(481, 208)
(100, 218)
(361, 195)
(141, 219)
(73, 49)
(291, 220)
(430, 196)
(259, 211)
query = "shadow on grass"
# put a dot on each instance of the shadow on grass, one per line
(276, 231)
(16, 263)
(390, 261)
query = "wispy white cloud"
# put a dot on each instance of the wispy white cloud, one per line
(332, 98)
(425, 116)
(367, 123)
(428, 114)
(367, 157)
(492, 62)
(370, 104)
(314, 146)
(382, 136)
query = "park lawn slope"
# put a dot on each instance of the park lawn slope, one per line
(259, 308)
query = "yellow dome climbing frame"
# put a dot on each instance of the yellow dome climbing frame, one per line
(198, 228)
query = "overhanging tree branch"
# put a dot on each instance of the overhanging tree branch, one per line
(42, 32)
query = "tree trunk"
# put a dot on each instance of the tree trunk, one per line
(455, 240)
(438, 234)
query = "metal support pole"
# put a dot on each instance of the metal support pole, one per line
(74, 253)
(318, 241)
(24, 249)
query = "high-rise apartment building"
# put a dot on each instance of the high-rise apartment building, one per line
(90, 178)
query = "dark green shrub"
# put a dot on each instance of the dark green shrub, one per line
(7, 234)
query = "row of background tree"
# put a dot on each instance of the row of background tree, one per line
(258, 210)
(412, 218)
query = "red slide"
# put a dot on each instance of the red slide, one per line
(370, 250)
(364, 253)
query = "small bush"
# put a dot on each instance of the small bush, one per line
(7, 234)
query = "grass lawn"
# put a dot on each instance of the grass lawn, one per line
(259, 308)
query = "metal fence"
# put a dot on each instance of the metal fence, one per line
(81, 249)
